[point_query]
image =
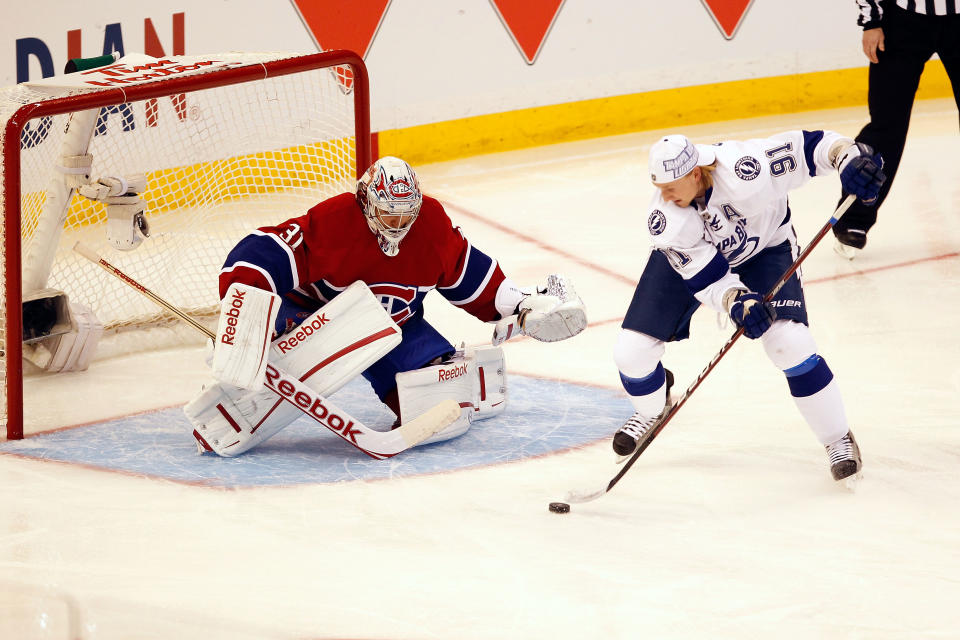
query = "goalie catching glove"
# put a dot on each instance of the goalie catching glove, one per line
(550, 314)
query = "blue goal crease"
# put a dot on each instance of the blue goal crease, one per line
(543, 416)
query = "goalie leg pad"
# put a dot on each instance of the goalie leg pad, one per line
(247, 316)
(63, 335)
(75, 350)
(327, 350)
(337, 342)
(491, 382)
(474, 379)
(229, 420)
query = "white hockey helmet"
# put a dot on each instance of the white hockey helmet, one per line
(389, 195)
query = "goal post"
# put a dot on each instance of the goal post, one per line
(226, 143)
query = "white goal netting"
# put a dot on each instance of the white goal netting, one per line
(219, 161)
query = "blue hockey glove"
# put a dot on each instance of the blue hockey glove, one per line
(861, 172)
(752, 313)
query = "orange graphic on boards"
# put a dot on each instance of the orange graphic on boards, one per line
(727, 14)
(334, 24)
(528, 22)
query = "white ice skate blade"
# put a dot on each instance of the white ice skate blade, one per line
(850, 483)
(844, 251)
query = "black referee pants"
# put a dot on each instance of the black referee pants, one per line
(910, 39)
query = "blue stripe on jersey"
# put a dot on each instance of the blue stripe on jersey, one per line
(810, 141)
(475, 275)
(786, 218)
(325, 290)
(264, 251)
(715, 269)
(646, 385)
(812, 378)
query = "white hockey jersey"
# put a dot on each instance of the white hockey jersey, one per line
(744, 212)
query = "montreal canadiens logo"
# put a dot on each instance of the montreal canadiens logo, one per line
(397, 299)
(657, 222)
(747, 168)
(400, 189)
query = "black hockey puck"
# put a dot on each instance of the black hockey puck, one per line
(559, 507)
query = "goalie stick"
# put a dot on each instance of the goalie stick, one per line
(589, 495)
(376, 444)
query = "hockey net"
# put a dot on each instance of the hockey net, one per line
(227, 143)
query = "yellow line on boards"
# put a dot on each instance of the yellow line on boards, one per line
(661, 109)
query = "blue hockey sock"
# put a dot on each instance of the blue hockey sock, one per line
(817, 396)
(647, 394)
(808, 377)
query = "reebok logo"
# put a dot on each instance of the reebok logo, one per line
(233, 315)
(310, 402)
(450, 374)
(303, 332)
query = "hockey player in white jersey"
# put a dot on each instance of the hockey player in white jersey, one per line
(720, 227)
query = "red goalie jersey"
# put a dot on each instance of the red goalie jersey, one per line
(311, 258)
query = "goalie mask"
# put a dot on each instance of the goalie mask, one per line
(389, 195)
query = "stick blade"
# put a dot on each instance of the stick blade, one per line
(584, 495)
(434, 419)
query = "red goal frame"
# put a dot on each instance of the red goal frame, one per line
(158, 89)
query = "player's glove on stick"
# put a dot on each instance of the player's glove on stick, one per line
(861, 172)
(749, 311)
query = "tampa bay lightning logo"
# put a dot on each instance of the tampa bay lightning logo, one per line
(747, 168)
(657, 222)
(745, 249)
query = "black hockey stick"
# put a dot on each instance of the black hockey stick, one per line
(587, 496)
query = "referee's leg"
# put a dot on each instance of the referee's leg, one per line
(949, 51)
(893, 86)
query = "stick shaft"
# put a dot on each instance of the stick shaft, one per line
(97, 259)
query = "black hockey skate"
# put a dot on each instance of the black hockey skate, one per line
(850, 242)
(629, 435)
(627, 438)
(844, 457)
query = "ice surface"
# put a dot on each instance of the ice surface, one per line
(729, 526)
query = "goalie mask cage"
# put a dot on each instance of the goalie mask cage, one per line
(227, 143)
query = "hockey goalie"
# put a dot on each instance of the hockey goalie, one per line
(330, 294)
